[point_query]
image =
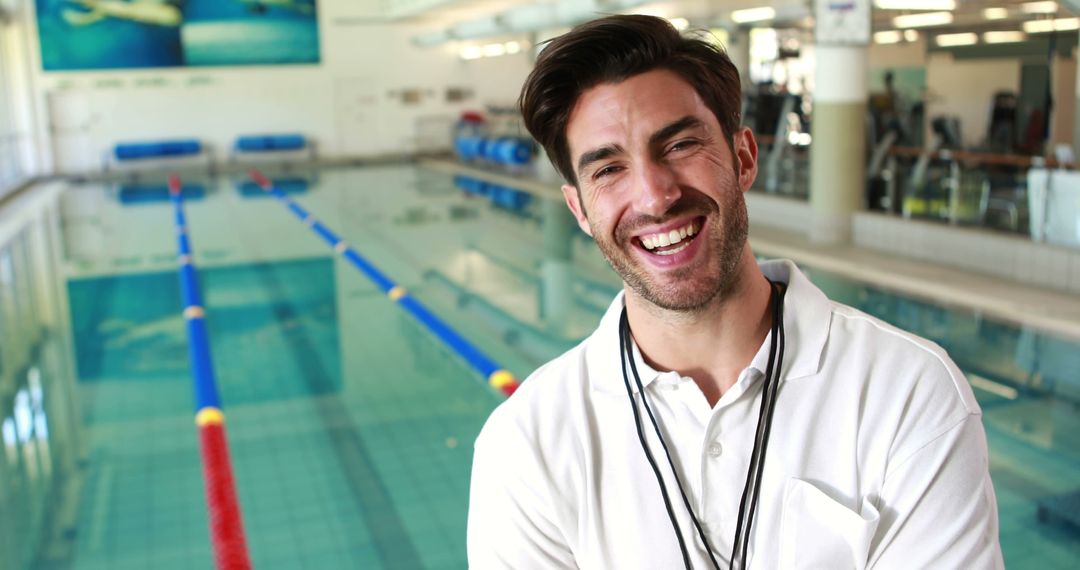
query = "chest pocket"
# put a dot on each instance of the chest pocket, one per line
(818, 532)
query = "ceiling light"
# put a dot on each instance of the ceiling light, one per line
(472, 52)
(950, 40)
(1003, 37)
(1039, 7)
(493, 50)
(1058, 25)
(915, 4)
(995, 13)
(888, 37)
(911, 35)
(512, 47)
(923, 20)
(753, 15)
(680, 23)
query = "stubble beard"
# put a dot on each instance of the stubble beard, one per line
(692, 288)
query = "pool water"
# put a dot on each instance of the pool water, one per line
(350, 426)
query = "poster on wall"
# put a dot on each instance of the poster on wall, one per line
(79, 35)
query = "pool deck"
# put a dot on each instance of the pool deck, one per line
(1043, 308)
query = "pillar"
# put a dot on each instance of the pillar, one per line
(738, 49)
(1076, 111)
(838, 152)
(556, 275)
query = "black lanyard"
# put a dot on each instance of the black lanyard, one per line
(751, 491)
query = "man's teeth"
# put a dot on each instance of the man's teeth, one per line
(674, 251)
(670, 238)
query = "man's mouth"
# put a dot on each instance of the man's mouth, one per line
(672, 241)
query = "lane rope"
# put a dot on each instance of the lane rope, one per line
(226, 524)
(497, 377)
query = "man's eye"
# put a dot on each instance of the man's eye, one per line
(682, 145)
(605, 171)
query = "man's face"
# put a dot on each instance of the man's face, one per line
(661, 188)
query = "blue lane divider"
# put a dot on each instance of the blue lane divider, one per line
(202, 368)
(496, 376)
(222, 502)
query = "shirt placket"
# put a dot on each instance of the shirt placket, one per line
(726, 446)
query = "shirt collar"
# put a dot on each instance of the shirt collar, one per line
(807, 317)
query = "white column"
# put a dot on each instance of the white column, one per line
(838, 152)
(738, 49)
(1076, 113)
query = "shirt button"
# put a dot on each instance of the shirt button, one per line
(715, 449)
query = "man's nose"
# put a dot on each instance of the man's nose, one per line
(657, 189)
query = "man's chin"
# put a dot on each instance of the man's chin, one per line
(677, 297)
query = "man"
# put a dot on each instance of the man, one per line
(724, 413)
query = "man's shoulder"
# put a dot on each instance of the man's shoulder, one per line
(907, 361)
(543, 398)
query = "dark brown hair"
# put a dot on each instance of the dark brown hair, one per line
(610, 50)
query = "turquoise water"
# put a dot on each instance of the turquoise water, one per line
(350, 427)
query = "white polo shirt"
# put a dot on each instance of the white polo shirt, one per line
(877, 456)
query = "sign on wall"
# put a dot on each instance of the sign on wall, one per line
(842, 22)
(123, 34)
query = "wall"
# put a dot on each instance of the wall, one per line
(1012, 257)
(964, 88)
(350, 103)
(10, 167)
(907, 54)
(18, 158)
(1063, 76)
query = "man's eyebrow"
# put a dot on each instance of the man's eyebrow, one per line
(687, 122)
(596, 155)
(607, 151)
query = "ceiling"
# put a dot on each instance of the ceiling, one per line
(968, 14)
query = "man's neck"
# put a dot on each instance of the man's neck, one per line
(712, 345)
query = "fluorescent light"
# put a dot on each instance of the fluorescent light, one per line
(888, 37)
(512, 47)
(680, 23)
(1059, 25)
(1039, 7)
(1003, 37)
(800, 139)
(995, 13)
(964, 39)
(472, 52)
(915, 4)
(753, 15)
(493, 50)
(923, 20)
(911, 35)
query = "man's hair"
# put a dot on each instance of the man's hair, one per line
(610, 50)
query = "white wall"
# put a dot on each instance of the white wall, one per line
(964, 88)
(1063, 75)
(10, 167)
(349, 103)
(18, 122)
(905, 54)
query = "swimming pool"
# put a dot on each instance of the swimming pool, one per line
(350, 426)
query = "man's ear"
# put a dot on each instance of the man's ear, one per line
(746, 156)
(573, 201)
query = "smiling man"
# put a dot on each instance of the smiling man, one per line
(725, 413)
